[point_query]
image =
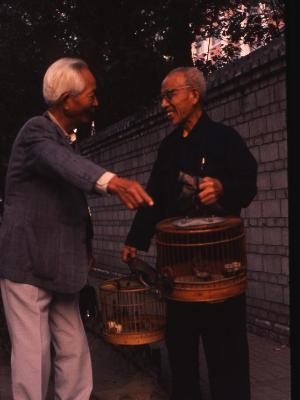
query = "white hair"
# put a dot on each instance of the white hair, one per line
(63, 77)
(193, 77)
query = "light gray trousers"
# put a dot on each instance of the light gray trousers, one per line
(35, 318)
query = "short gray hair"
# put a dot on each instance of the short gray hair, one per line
(193, 77)
(63, 77)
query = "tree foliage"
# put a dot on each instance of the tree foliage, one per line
(130, 45)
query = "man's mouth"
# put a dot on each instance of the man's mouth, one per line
(169, 113)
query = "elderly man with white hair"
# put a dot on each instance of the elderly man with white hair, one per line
(45, 237)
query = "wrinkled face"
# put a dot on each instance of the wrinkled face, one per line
(177, 98)
(81, 107)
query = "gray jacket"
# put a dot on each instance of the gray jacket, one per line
(44, 233)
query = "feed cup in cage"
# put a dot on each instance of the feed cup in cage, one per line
(204, 257)
(202, 275)
(232, 269)
(132, 313)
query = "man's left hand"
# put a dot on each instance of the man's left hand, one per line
(211, 190)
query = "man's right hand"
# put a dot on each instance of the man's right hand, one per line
(128, 252)
(129, 192)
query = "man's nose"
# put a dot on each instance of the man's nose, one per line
(164, 102)
(95, 102)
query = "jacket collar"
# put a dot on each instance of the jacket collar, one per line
(199, 126)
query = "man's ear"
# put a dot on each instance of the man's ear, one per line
(67, 102)
(196, 96)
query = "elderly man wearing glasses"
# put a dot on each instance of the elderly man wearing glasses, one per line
(199, 146)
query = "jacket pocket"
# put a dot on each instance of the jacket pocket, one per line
(44, 248)
(14, 249)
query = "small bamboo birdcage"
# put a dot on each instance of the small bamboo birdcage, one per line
(132, 313)
(204, 263)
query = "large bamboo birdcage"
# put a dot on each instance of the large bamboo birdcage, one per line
(132, 313)
(205, 261)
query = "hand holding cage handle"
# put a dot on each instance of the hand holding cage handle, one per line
(191, 188)
(149, 276)
(145, 273)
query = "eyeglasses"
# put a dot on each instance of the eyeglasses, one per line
(169, 94)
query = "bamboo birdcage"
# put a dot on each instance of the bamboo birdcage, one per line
(205, 263)
(132, 313)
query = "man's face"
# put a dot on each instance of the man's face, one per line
(177, 98)
(81, 107)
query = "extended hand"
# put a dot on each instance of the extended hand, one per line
(129, 192)
(210, 190)
(128, 252)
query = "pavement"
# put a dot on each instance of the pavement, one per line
(117, 377)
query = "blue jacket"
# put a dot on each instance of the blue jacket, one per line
(44, 233)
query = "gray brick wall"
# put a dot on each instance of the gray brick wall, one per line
(249, 95)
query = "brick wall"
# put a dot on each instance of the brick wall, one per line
(249, 95)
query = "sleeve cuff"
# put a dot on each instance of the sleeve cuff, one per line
(102, 182)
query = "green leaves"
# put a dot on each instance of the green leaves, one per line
(129, 45)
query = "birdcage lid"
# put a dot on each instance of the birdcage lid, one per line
(195, 222)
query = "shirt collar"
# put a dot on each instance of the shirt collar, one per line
(70, 136)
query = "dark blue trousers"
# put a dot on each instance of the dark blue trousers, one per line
(222, 327)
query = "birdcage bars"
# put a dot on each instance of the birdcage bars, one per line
(131, 315)
(207, 263)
